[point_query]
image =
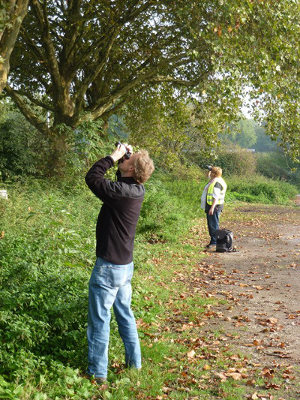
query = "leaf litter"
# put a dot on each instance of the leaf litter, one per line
(259, 315)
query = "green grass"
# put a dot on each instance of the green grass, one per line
(47, 251)
(257, 189)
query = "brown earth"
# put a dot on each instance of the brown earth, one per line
(261, 285)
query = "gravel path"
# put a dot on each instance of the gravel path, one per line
(261, 283)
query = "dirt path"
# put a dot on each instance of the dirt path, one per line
(261, 285)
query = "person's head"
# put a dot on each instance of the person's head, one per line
(140, 166)
(215, 172)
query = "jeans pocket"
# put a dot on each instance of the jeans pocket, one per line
(99, 275)
(117, 276)
(110, 275)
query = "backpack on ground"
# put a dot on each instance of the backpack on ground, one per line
(224, 240)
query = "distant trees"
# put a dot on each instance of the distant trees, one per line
(263, 141)
(243, 133)
(247, 133)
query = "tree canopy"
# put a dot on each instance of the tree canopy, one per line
(81, 60)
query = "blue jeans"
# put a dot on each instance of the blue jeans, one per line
(213, 225)
(110, 285)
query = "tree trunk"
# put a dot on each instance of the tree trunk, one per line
(16, 11)
(58, 150)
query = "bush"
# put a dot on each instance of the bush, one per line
(237, 161)
(276, 165)
(22, 156)
(168, 207)
(260, 190)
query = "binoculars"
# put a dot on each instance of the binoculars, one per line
(127, 154)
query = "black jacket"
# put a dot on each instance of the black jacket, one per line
(119, 213)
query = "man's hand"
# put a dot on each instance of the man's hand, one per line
(120, 150)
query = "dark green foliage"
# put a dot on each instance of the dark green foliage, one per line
(26, 153)
(22, 148)
(45, 255)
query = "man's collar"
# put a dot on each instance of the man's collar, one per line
(127, 179)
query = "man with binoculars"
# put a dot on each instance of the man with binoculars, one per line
(110, 282)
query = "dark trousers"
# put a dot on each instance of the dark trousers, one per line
(213, 225)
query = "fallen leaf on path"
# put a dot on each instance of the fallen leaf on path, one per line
(258, 287)
(235, 375)
(167, 389)
(272, 386)
(191, 354)
(272, 320)
(221, 376)
(267, 373)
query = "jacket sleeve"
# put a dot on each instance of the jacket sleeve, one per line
(95, 178)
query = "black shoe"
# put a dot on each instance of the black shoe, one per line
(101, 381)
(210, 246)
(98, 381)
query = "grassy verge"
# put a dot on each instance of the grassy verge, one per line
(258, 189)
(47, 252)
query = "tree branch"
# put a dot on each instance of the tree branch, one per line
(35, 101)
(35, 50)
(116, 107)
(71, 34)
(108, 38)
(91, 77)
(132, 15)
(115, 96)
(51, 60)
(27, 112)
(181, 82)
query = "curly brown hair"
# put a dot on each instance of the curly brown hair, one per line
(143, 166)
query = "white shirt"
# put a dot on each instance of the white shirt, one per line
(204, 195)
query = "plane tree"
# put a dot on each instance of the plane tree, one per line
(83, 60)
(12, 13)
